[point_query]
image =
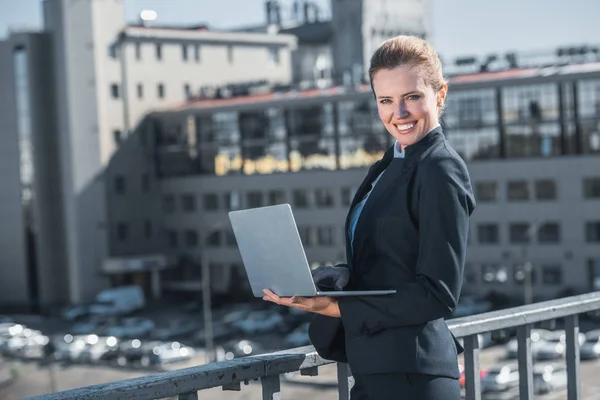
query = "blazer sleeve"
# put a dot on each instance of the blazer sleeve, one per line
(445, 204)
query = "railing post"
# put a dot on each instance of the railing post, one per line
(271, 387)
(525, 362)
(188, 396)
(572, 356)
(472, 379)
(345, 380)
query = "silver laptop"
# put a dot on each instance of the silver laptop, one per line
(273, 254)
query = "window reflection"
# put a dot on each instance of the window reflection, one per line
(533, 140)
(530, 103)
(475, 144)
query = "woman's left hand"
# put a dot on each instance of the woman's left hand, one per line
(324, 305)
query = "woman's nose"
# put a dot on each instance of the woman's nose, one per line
(401, 111)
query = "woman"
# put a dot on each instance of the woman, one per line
(407, 230)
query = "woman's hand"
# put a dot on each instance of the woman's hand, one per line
(324, 305)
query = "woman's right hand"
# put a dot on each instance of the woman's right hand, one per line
(335, 278)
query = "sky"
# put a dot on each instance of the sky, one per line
(461, 27)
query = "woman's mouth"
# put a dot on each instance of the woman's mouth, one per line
(405, 128)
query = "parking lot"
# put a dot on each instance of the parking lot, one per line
(257, 330)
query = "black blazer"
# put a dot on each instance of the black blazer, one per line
(411, 236)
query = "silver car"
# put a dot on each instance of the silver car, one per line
(501, 378)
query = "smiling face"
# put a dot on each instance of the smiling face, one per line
(408, 106)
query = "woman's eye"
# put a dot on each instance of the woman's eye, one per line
(413, 97)
(385, 101)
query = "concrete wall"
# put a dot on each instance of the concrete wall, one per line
(14, 292)
(71, 25)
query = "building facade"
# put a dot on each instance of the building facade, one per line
(531, 141)
(72, 94)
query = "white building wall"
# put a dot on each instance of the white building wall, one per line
(251, 61)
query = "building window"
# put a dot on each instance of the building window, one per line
(184, 52)
(300, 198)
(117, 137)
(551, 274)
(274, 58)
(232, 201)
(230, 54)
(211, 202)
(140, 91)
(491, 272)
(592, 232)
(519, 274)
(306, 235)
(119, 184)
(486, 191)
(188, 202)
(158, 51)
(325, 236)
(255, 199)
(197, 52)
(114, 91)
(148, 231)
(230, 239)
(276, 197)
(549, 232)
(191, 238)
(173, 239)
(545, 189)
(138, 51)
(214, 239)
(161, 90)
(324, 197)
(113, 51)
(470, 274)
(347, 195)
(517, 191)
(487, 233)
(591, 188)
(519, 233)
(122, 231)
(168, 204)
(187, 91)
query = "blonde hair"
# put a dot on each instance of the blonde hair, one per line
(408, 50)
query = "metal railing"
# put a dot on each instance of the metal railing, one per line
(185, 383)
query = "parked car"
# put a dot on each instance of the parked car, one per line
(69, 347)
(501, 378)
(169, 352)
(549, 377)
(238, 349)
(590, 350)
(94, 325)
(259, 322)
(118, 301)
(177, 329)
(538, 337)
(555, 345)
(131, 327)
(103, 348)
(221, 332)
(462, 379)
(298, 337)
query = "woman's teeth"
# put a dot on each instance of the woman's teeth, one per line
(404, 127)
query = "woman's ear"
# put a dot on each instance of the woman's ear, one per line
(441, 96)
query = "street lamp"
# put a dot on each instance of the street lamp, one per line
(527, 265)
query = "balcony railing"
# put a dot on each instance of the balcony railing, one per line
(230, 375)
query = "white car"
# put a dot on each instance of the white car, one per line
(501, 378)
(590, 350)
(538, 337)
(168, 353)
(131, 327)
(549, 377)
(260, 321)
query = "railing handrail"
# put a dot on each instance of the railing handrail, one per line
(228, 373)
